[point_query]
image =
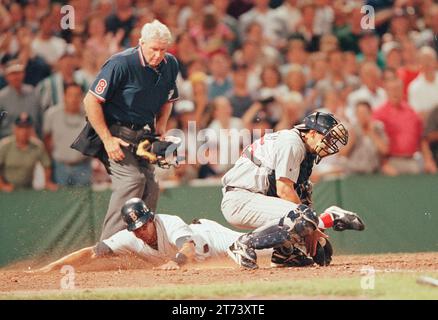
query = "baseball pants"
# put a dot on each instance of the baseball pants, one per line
(249, 210)
(129, 179)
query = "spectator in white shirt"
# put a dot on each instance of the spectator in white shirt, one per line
(370, 90)
(423, 91)
(261, 12)
(46, 45)
(289, 14)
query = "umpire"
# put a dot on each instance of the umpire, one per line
(133, 93)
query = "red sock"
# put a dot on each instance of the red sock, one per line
(325, 221)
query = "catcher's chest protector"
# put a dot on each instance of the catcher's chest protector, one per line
(306, 167)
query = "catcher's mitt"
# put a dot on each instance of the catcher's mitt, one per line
(155, 151)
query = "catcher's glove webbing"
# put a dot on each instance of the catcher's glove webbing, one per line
(160, 152)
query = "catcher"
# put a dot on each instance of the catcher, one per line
(268, 190)
(156, 238)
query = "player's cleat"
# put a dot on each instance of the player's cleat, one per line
(243, 255)
(283, 257)
(345, 220)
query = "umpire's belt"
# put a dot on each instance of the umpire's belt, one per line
(247, 154)
(127, 134)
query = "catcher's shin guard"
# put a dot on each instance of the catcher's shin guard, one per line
(269, 236)
(242, 254)
(289, 256)
(243, 250)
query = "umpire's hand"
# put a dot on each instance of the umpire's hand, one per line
(113, 149)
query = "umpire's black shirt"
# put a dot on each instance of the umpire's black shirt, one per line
(131, 91)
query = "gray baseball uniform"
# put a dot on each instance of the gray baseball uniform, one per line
(245, 203)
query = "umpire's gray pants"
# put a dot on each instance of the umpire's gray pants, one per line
(129, 179)
(249, 210)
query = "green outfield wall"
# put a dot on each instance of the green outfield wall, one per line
(400, 213)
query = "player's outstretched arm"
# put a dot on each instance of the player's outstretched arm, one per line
(75, 259)
(184, 255)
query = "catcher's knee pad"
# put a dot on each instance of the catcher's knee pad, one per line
(303, 220)
(266, 237)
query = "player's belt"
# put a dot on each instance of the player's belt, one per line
(247, 154)
(126, 133)
(132, 126)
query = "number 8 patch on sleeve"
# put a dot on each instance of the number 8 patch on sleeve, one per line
(101, 85)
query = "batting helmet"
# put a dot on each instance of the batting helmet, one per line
(136, 214)
(332, 130)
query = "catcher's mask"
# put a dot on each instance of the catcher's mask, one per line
(335, 134)
(135, 213)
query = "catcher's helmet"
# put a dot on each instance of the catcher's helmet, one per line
(136, 214)
(332, 130)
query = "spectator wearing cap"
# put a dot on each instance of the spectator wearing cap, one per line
(423, 91)
(46, 44)
(404, 128)
(19, 155)
(62, 125)
(51, 89)
(370, 90)
(17, 97)
(239, 96)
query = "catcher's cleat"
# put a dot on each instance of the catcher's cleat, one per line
(345, 220)
(283, 257)
(243, 255)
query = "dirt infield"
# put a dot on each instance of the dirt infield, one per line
(129, 273)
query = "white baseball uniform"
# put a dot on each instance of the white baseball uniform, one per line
(247, 205)
(172, 232)
(218, 237)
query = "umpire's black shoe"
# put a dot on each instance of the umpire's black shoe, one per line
(345, 220)
(289, 257)
(243, 255)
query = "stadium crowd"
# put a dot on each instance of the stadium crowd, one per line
(243, 65)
